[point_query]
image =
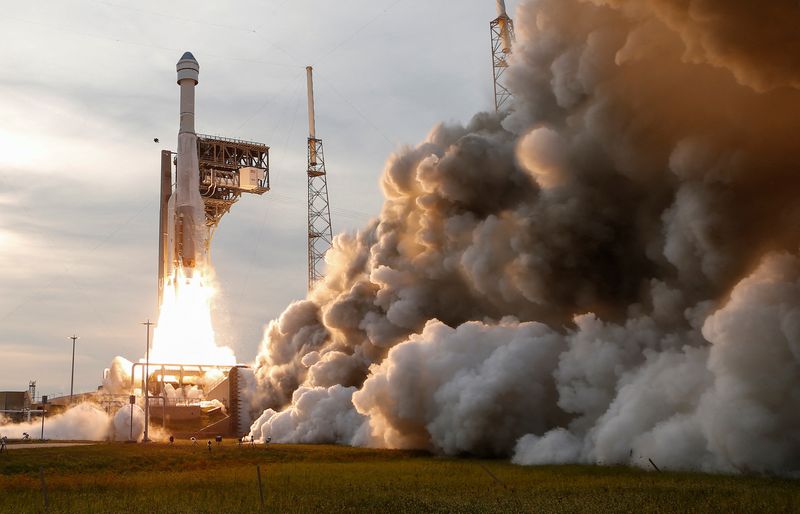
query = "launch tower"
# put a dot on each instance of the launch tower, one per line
(320, 232)
(228, 168)
(502, 34)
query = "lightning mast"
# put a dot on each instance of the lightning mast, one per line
(502, 33)
(320, 233)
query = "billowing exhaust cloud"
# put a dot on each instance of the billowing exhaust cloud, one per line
(83, 422)
(609, 273)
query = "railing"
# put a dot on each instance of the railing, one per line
(159, 401)
(230, 140)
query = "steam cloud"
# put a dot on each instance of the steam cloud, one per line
(609, 273)
(85, 422)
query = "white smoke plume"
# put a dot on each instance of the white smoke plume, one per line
(608, 273)
(85, 422)
(88, 422)
(316, 414)
(123, 429)
(117, 378)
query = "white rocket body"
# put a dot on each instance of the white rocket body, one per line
(189, 213)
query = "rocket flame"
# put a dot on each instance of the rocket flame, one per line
(185, 334)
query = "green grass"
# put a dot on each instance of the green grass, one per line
(157, 478)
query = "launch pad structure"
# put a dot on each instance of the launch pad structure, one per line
(320, 231)
(189, 416)
(227, 168)
(217, 171)
(502, 37)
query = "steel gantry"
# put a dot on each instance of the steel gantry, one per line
(502, 36)
(228, 168)
(320, 231)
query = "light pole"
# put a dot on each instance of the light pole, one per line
(44, 411)
(72, 377)
(132, 400)
(148, 324)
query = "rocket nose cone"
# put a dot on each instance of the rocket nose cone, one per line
(187, 68)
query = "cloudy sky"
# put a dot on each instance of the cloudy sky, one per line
(85, 86)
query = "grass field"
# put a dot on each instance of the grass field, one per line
(158, 478)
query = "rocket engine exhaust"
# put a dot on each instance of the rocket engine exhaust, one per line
(607, 271)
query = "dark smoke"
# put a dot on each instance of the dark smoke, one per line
(606, 274)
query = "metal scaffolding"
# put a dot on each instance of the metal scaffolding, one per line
(320, 231)
(502, 36)
(220, 169)
(228, 168)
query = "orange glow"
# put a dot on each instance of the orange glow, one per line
(185, 334)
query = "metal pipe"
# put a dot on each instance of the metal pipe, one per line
(146, 378)
(201, 367)
(164, 402)
(312, 129)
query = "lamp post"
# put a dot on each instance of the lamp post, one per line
(132, 400)
(72, 377)
(44, 411)
(147, 324)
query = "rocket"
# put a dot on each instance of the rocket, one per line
(188, 239)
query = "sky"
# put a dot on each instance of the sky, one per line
(85, 86)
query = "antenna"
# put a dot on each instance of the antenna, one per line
(502, 36)
(320, 233)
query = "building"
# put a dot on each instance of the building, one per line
(15, 404)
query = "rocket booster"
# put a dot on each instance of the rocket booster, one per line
(189, 212)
